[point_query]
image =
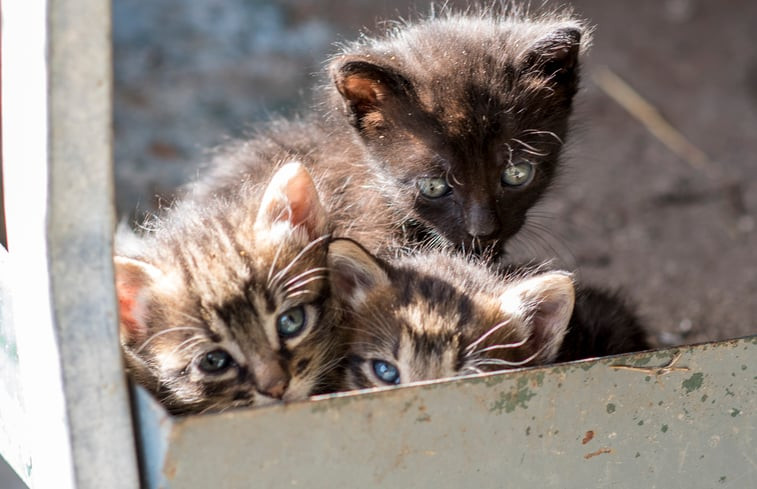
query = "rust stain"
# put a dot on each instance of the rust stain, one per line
(588, 437)
(169, 470)
(598, 452)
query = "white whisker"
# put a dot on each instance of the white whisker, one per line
(302, 283)
(282, 273)
(502, 347)
(166, 331)
(483, 337)
(303, 274)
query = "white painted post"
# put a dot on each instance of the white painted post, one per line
(70, 417)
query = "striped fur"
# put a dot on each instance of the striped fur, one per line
(434, 315)
(218, 277)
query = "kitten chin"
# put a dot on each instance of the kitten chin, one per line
(227, 304)
(437, 314)
(444, 131)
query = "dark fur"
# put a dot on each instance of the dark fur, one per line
(603, 323)
(458, 97)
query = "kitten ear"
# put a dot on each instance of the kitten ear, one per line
(353, 272)
(366, 88)
(292, 198)
(556, 55)
(543, 304)
(134, 279)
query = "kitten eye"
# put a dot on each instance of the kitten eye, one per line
(216, 362)
(433, 188)
(291, 322)
(386, 372)
(518, 175)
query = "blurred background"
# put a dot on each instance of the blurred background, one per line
(659, 190)
(662, 207)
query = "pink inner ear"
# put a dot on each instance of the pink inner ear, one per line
(291, 197)
(304, 205)
(131, 327)
(133, 279)
(302, 199)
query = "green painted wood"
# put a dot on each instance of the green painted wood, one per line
(586, 424)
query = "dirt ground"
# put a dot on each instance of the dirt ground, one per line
(672, 223)
(673, 227)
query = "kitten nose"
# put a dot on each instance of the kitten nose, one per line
(276, 389)
(481, 221)
(270, 378)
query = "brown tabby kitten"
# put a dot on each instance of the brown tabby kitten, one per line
(446, 130)
(435, 314)
(227, 304)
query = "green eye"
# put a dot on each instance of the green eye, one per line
(291, 322)
(216, 362)
(518, 175)
(433, 188)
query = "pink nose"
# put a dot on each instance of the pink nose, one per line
(271, 379)
(276, 389)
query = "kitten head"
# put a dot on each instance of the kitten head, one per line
(438, 315)
(224, 306)
(464, 116)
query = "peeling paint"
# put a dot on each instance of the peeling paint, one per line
(693, 383)
(518, 396)
(598, 452)
(588, 437)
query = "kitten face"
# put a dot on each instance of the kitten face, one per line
(223, 308)
(464, 118)
(437, 315)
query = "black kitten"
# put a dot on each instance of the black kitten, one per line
(449, 128)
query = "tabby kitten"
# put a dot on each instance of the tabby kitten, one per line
(435, 314)
(448, 129)
(227, 304)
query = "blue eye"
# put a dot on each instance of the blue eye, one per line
(216, 362)
(387, 372)
(291, 322)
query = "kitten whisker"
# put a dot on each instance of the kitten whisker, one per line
(506, 363)
(187, 344)
(299, 293)
(483, 337)
(528, 148)
(304, 274)
(166, 331)
(303, 283)
(506, 346)
(540, 132)
(282, 273)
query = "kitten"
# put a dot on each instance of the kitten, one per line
(446, 130)
(435, 315)
(227, 304)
